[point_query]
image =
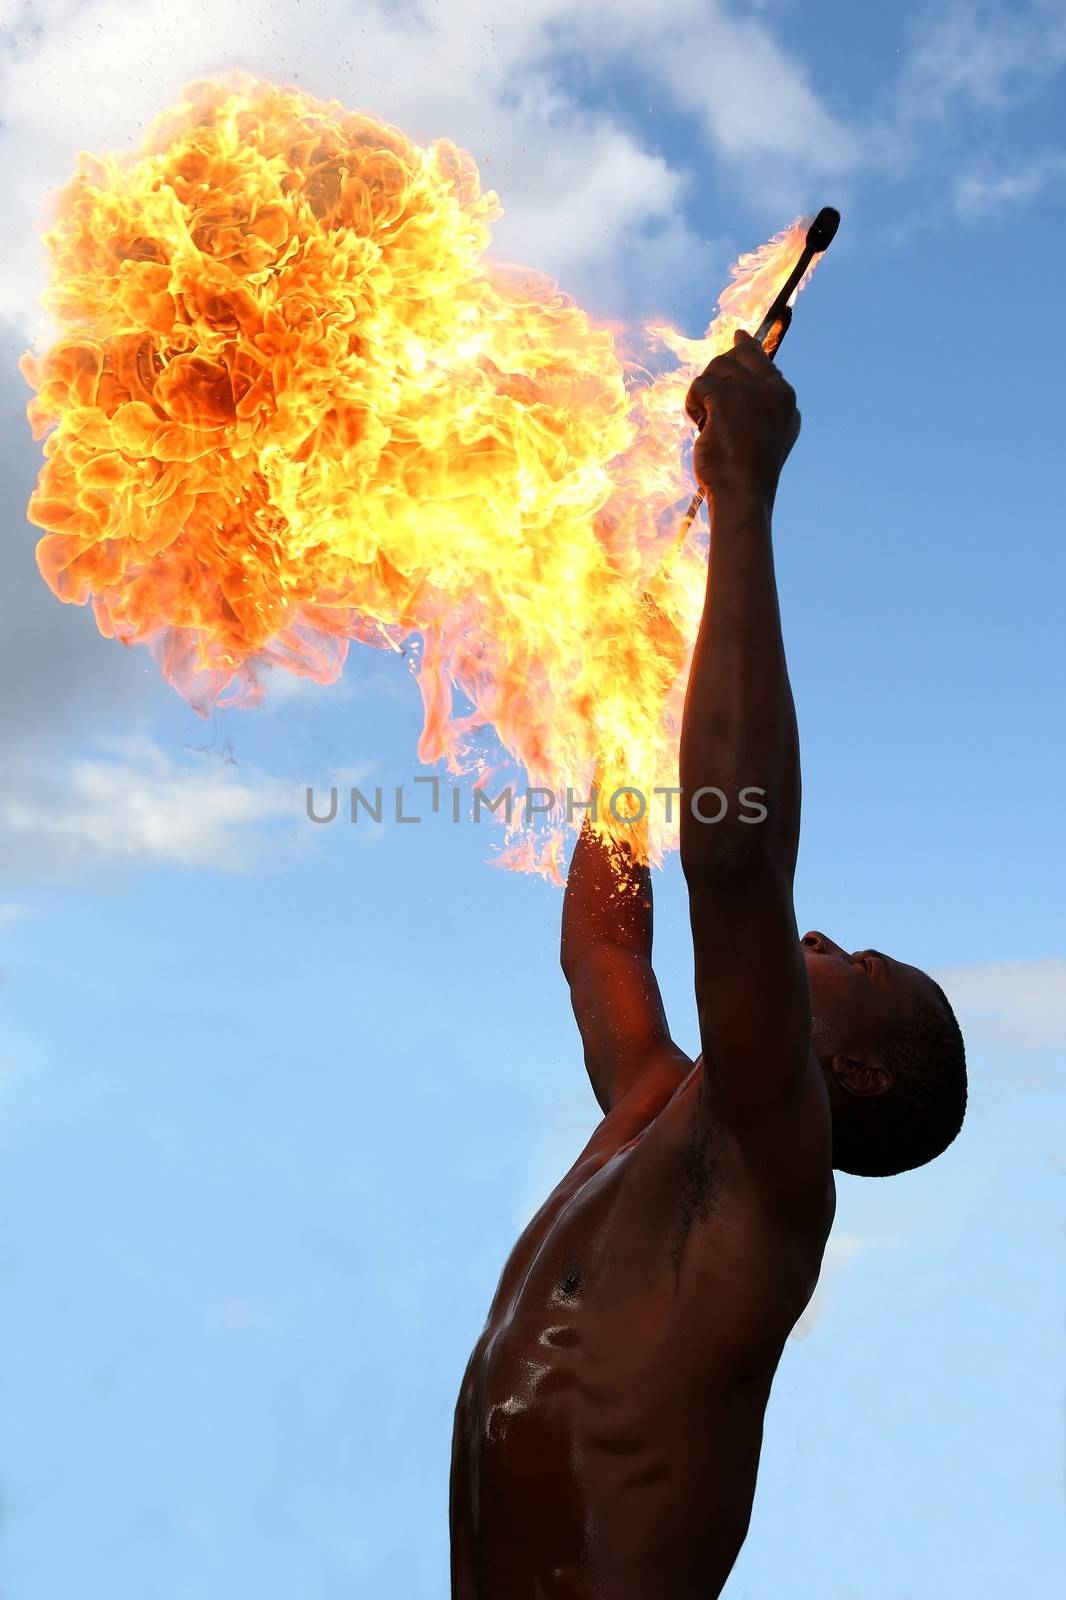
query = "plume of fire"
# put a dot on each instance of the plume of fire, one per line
(291, 403)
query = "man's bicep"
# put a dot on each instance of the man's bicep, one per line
(752, 993)
(621, 1018)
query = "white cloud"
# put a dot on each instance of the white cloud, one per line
(587, 196)
(754, 102)
(984, 56)
(980, 195)
(1021, 1004)
(136, 805)
(96, 80)
(585, 199)
(968, 64)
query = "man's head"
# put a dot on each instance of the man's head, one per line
(892, 1055)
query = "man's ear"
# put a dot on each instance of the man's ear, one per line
(860, 1077)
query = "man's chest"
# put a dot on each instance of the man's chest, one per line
(652, 1263)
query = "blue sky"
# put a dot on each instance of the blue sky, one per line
(277, 1098)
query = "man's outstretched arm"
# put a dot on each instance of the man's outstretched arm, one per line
(739, 733)
(606, 958)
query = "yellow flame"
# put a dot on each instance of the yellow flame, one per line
(292, 404)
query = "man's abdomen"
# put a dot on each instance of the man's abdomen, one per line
(516, 1504)
(575, 1476)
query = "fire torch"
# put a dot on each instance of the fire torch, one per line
(775, 324)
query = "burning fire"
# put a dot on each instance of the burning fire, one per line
(292, 404)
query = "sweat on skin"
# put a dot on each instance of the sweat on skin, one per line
(609, 1423)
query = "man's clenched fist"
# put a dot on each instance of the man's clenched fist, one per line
(748, 422)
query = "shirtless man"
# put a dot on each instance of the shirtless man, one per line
(608, 1428)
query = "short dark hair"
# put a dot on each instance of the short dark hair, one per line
(918, 1117)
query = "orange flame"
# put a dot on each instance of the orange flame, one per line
(291, 404)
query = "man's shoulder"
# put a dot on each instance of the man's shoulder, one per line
(639, 1110)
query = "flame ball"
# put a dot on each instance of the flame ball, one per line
(292, 403)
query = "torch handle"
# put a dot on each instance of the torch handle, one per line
(771, 331)
(775, 324)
